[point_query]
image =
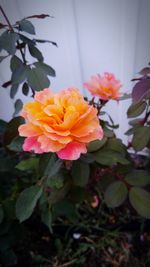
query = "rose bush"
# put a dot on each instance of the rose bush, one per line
(61, 161)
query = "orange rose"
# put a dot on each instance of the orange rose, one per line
(105, 87)
(63, 123)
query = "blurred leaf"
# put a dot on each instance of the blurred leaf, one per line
(16, 144)
(96, 145)
(116, 144)
(27, 201)
(105, 180)
(136, 109)
(45, 68)
(2, 58)
(26, 26)
(35, 52)
(58, 194)
(47, 218)
(37, 80)
(43, 162)
(8, 41)
(28, 164)
(1, 214)
(5, 85)
(53, 167)
(87, 158)
(107, 132)
(20, 74)
(138, 178)
(26, 40)
(140, 89)
(140, 200)
(15, 63)
(56, 181)
(136, 122)
(109, 157)
(13, 90)
(45, 41)
(141, 138)
(25, 89)
(41, 16)
(145, 71)
(18, 106)
(115, 194)
(80, 173)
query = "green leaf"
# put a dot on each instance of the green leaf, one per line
(96, 145)
(16, 144)
(26, 26)
(27, 201)
(28, 164)
(116, 144)
(18, 106)
(56, 181)
(35, 52)
(115, 194)
(80, 173)
(15, 63)
(87, 158)
(45, 68)
(141, 138)
(136, 122)
(108, 133)
(136, 109)
(138, 178)
(53, 167)
(59, 194)
(47, 219)
(20, 74)
(8, 42)
(140, 200)
(13, 90)
(109, 157)
(37, 80)
(25, 89)
(1, 214)
(26, 40)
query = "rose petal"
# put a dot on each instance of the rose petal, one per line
(31, 144)
(72, 151)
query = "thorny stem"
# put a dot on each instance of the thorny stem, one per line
(12, 30)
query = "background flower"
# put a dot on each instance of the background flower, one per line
(105, 87)
(63, 123)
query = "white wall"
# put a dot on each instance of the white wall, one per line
(93, 36)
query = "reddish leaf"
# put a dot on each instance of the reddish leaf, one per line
(136, 79)
(19, 46)
(42, 16)
(140, 89)
(5, 85)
